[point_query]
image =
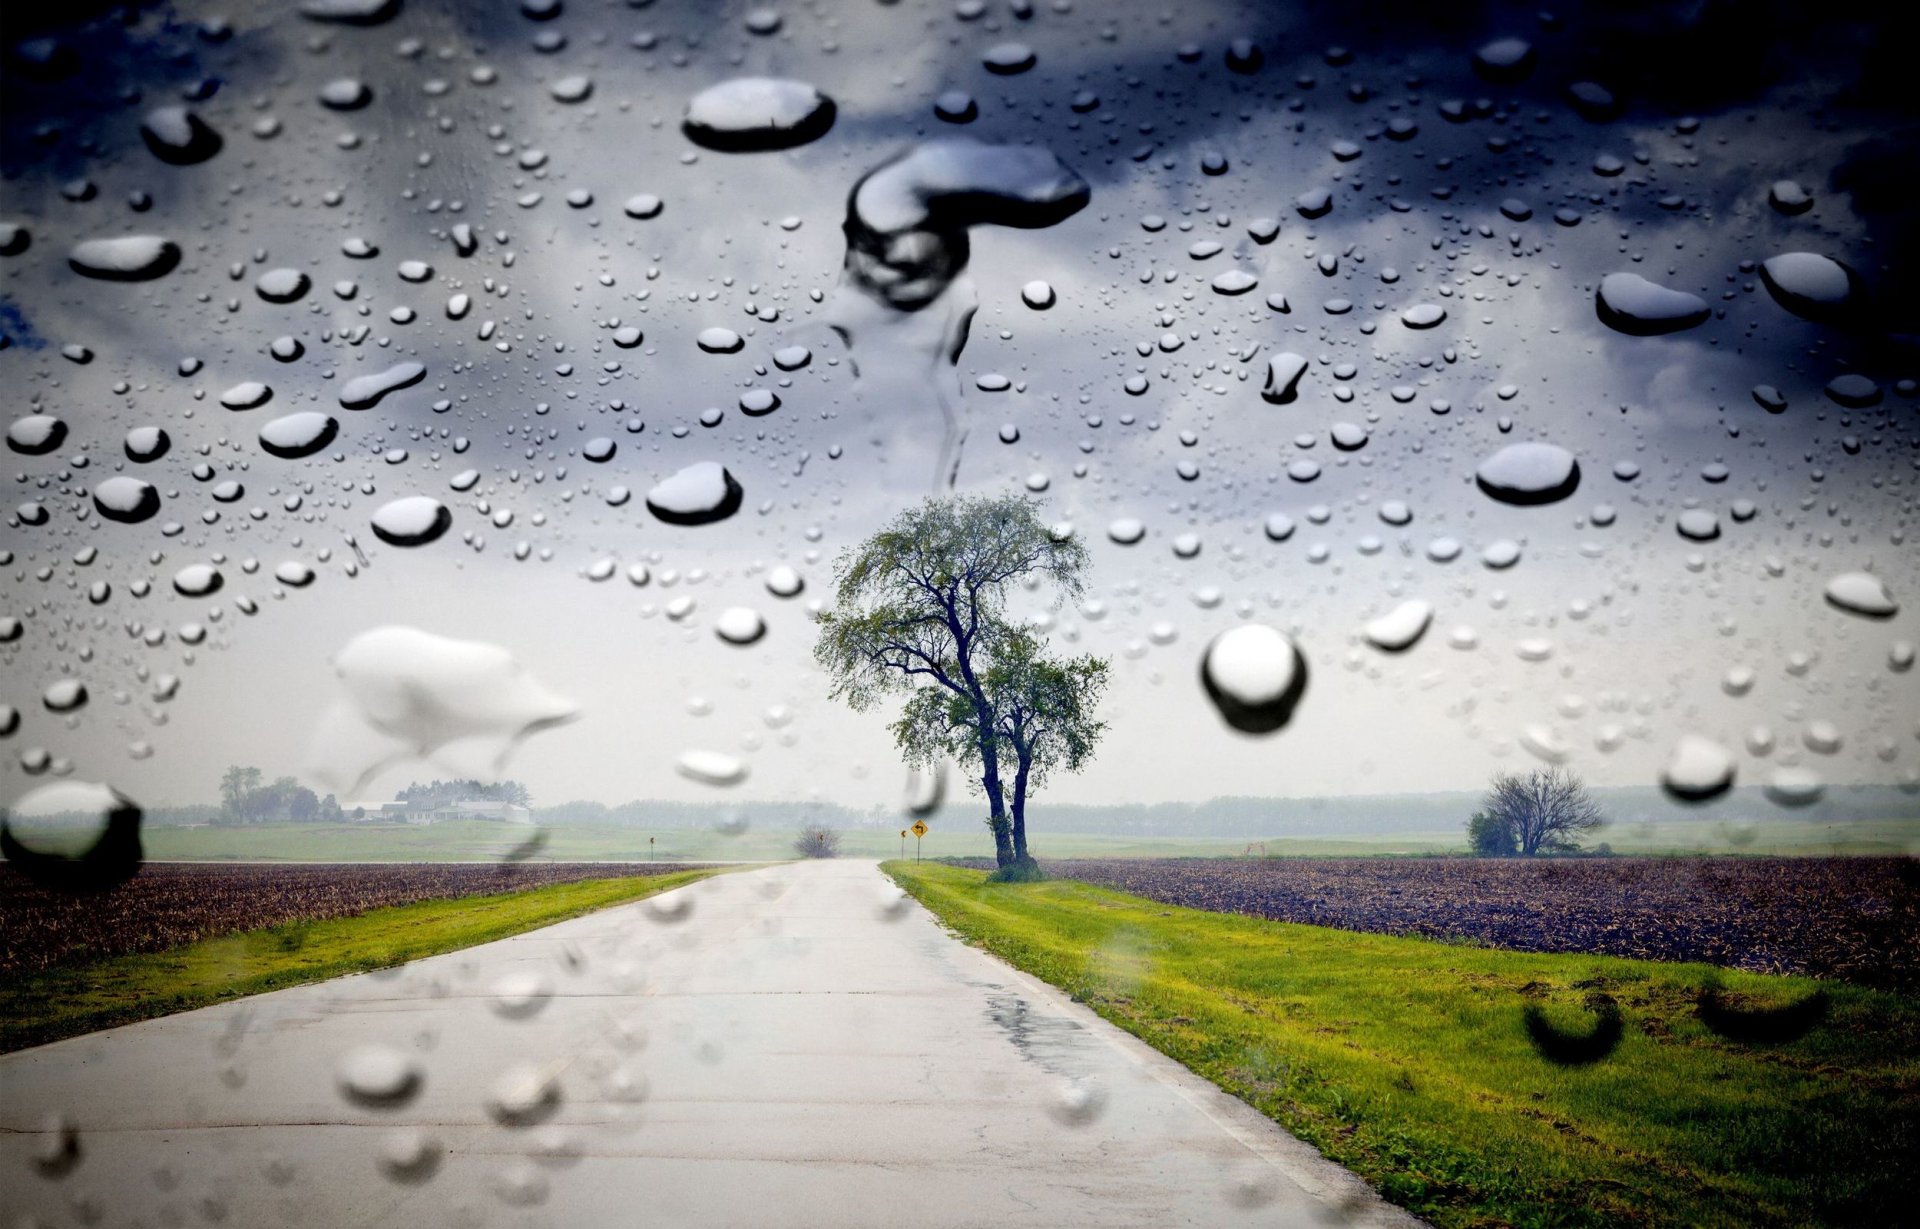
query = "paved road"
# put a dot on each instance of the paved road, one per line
(798, 1045)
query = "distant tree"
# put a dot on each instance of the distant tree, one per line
(921, 605)
(1490, 837)
(235, 785)
(304, 806)
(817, 841)
(438, 793)
(1548, 809)
(329, 810)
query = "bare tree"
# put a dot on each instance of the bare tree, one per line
(817, 841)
(1547, 809)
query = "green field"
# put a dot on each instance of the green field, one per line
(1407, 1060)
(473, 840)
(64, 1002)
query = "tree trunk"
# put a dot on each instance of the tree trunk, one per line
(996, 802)
(989, 745)
(1020, 804)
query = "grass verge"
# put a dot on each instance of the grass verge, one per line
(65, 1002)
(1409, 1061)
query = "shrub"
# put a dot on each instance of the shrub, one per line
(1490, 836)
(817, 841)
(1021, 870)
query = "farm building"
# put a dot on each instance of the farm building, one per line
(482, 808)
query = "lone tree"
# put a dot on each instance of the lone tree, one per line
(1546, 809)
(920, 608)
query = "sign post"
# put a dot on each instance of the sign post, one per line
(650, 849)
(903, 842)
(919, 830)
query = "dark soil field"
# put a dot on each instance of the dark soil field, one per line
(168, 904)
(1857, 919)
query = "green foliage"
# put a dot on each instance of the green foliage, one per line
(920, 610)
(1491, 837)
(1409, 1061)
(1020, 870)
(243, 800)
(437, 793)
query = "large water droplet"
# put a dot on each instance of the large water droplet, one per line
(1862, 593)
(377, 1077)
(129, 500)
(1255, 676)
(751, 114)
(129, 258)
(700, 494)
(365, 392)
(1529, 473)
(414, 520)
(298, 435)
(1698, 769)
(1631, 304)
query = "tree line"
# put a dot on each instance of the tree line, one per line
(246, 797)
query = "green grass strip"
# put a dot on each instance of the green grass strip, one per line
(1408, 1061)
(65, 1002)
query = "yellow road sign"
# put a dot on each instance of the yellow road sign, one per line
(919, 827)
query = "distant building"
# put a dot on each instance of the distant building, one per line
(483, 808)
(426, 811)
(398, 812)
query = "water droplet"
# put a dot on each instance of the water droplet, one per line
(411, 694)
(1862, 593)
(413, 520)
(128, 500)
(129, 258)
(39, 839)
(1529, 473)
(520, 995)
(1076, 1103)
(522, 1096)
(365, 392)
(1629, 303)
(752, 114)
(740, 625)
(410, 1154)
(197, 580)
(1698, 525)
(784, 581)
(711, 767)
(1809, 285)
(377, 1077)
(178, 136)
(1789, 197)
(298, 435)
(1283, 377)
(247, 395)
(700, 494)
(282, 285)
(1255, 676)
(1400, 628)
(1698, 769)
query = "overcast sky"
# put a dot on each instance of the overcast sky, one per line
(1641, 626)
